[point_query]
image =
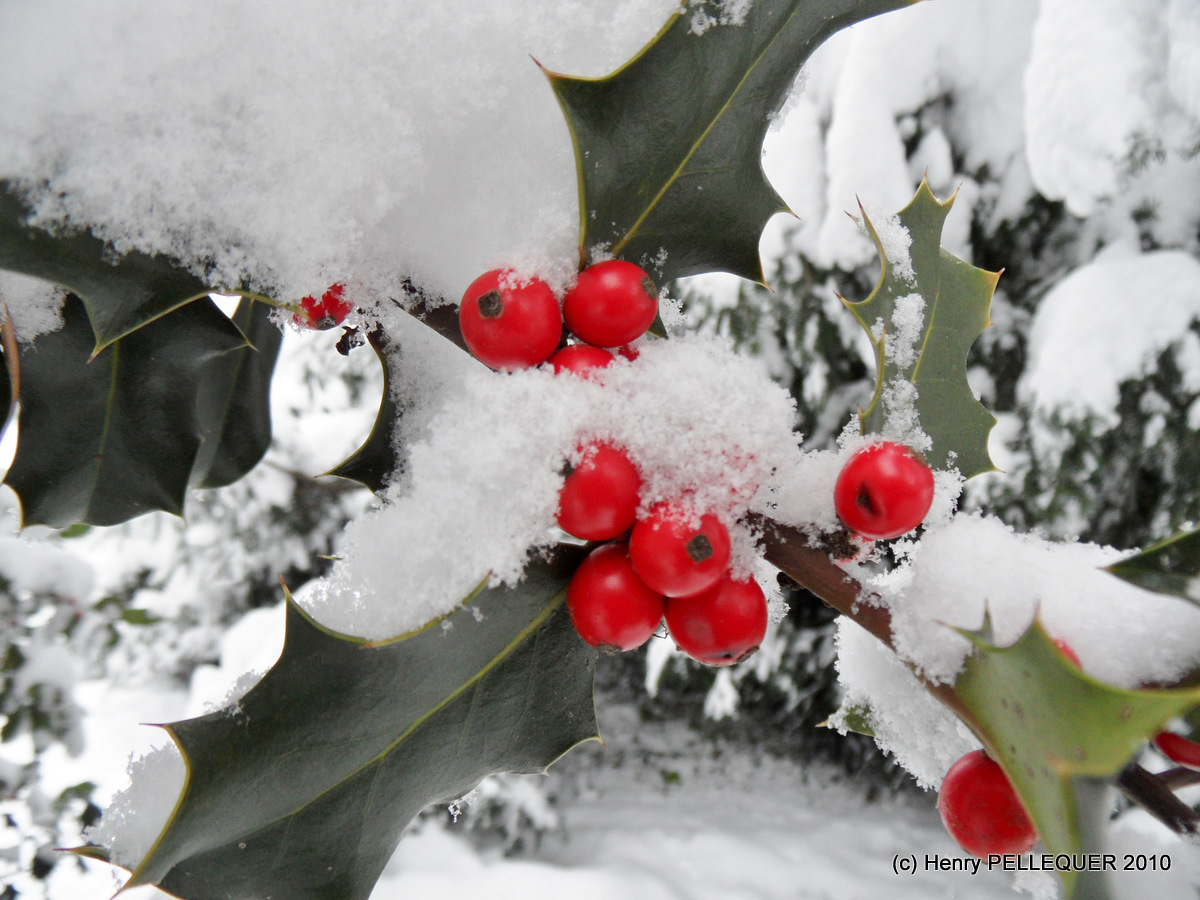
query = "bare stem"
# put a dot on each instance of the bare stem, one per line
(1152, 793)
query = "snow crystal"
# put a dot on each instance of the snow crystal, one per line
(922, 734)
(894, 239)
(704, 426)
(138, 814)
(35, 306)
(1148, 299)
(706, 13)
(901, 346)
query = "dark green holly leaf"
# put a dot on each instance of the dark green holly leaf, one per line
(1061, 736)
(955, 301)
(104, 440)
(234, 401)
(10, 376)
(121, 295)
(1169, 567)
(304, 789)
(376, 461)
(668, 147)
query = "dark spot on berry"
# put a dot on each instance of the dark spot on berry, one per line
(864, 500)
(747, 654)
(650, 287)
(491, 305)
(699, 548)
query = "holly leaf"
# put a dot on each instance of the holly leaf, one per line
(668, 147)
(10, 374)
(303, 790)
(1061, 736)
(926, 311)
(120, 294)
(1169, 567)
(177, 402)
(376, 462)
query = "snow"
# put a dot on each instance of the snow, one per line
(392, 127)
(459, 520)
(1071, 338)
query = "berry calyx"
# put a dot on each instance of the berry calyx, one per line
(599, 497)
(1178, 749)
(331, 310)
(580, 360)
(676, 556)
(720, 626)
(610, 606)
(612, 303)
(981, 810)
(508, 324)
(883, 491)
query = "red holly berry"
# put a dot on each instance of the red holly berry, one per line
(329, 311)
(883, 491)
(509, 324)
(720, 626)
(600, 496)
(612, 303)
(581, 360)
(981, 810)
(1178, 749)
(610, 606)
(674, 555)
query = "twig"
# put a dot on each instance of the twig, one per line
(1151, 792)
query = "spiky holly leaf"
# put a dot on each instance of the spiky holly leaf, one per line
(121, 295)
(376, 461)
(668, 147)
(179, 402)
(1169, 567)
(1060, 735)
(926, 311)
(10, 373)
(303, 790)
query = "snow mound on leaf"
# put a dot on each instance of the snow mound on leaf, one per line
(975, 566)
(480, 487)
(291, 145)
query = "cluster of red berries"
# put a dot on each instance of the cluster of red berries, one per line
(666, 564)
(331, 310)
(511, 324)
(883, 491)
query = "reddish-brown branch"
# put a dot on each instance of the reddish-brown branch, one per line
(790, 551)
(1152, 793)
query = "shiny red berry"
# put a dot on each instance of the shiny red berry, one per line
(612, 303)
(980, 809)
(1178, 749)
(720, 626)
(675, 555)
(581, 360)
(329, 311)
(610, 606)
(509, 324)
(883, 491)
(600, 495)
